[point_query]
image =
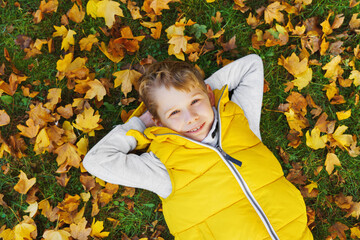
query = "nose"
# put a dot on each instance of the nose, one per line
(191, 116)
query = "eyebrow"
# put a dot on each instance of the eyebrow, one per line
(174, 107)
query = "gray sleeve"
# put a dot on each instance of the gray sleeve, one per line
(111, 161)
(245, 77)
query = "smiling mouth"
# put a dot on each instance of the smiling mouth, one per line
(196, 129)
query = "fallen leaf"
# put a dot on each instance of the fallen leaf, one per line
(23, 230)
(134, 10)
(88, 121)
(42, 142)
(86, 43)
(315, 141)
(96, 229)
(272, 12)
(342, 115)
(4, 118)
(75, 14)
(32, 209)
(331, 161)
(126, 78)
(338, 230)
(24, 183)
(79, 230)
(56, 234)
(108, 9)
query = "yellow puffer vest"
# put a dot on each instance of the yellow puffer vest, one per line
(214, 198)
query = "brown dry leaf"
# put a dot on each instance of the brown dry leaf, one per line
(2, 202)
(321, 123)
(54, 97)
(338, 21)
(87, 181)
(48, 211)
(24, 183)
(336, 48)
(49, 6)
(66, 112)
(40, 115)
(125, 115)
(31, 130)
(63, 179)
(338, 230)
(257, 39)
(353, 3)
(240, 5)
(79, 230)
(296, 174)
(75, 14)
(126, 78)
(230, 45)
(277, 35)
(217, 18)
(272, 12)
(4, 118)
(338, 138)
(129, 191)
(331, 161)
(354, 22)
(253, 21)
(86, 43)
(155, 28)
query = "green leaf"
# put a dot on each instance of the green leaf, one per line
(197, 30)
(6, 99)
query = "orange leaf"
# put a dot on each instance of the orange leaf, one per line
(79, 230)
(108, 9)
(67, 154)
(31, 130)
(331, 161)
(88, 121)
(86, 43)
(159, 5)
(134, 10)
(75, 14)
(126, 78)
(96, 90)
(24, 183)
(54, 97)
(272, 12)
(4, 118)
(338, 230)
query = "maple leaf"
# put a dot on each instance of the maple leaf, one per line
(32, 209)
(155, 28)
(327, 29)
(96, 229)
(24, 183)
(303, 79)
(68, 155)
(86, 43)
(354, 22)
(159, 5)
(105, 50)
(343, 114)
(60, 31)
(272, 12)
(126, 78)
(311, 186)
(338, 230)
(79, 230)
(355, 232)
(293, 64)
(342, 140)
(23, 230)
(315, 141)
(355, 74)
(68, 40)
(96, 90)
(14, 81)
(49, 6)
(4, 118)
(42, 142)
(56, 234)
(75, 14)
(217, 18)
(66, 112)
(54, 97)
(134, 10)
(240, 5)
(331, 161)
(108, 9)
(48, 211)
(87, 121)
(82, 146)
(333, 70)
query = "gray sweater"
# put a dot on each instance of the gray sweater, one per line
(111, 161)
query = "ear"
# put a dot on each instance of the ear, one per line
(157, 122)
(211, 95)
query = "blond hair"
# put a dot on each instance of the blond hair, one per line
(179, 75)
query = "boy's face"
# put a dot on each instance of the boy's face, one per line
(188, 113)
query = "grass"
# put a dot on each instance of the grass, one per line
(138, 221)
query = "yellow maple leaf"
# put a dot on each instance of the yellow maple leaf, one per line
(311, 186)
(326, 27)
(56, 234)
(82, 146)
(159, 5)
(155, 28)
(272, 12)
(24, 183)
(23, 230)
(79, 230)
(91, 7)
(355, 74)
(296, 121)
(54, 97)
(315, 141)
(324, 47)
(179, 42)
(344, 140)
(96, 90)
(134, 10)
(60, 31)
(68, 40)
(333, 69)
(331, 90)
(7, 234)
(331, 161)
(87, 121)
(63, 64)
(96, 228)
(67, 153)
(108, 9)
(303, 79)
(294, 65)
(341, 115)
(126, 78)
(42, 142)
(86, 43)
(32, 209)
(4, 118)
(31, 130)
(75, 14)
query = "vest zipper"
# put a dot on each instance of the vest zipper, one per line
(228, 157)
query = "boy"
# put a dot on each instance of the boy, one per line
(205, 158)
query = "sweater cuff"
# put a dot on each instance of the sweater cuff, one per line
(136, 124)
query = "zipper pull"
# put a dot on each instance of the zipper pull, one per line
(228, 157)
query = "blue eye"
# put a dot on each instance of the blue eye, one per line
(195, 101)
(174, 112)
